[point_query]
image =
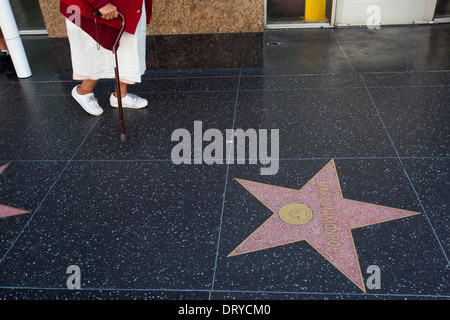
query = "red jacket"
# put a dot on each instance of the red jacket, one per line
(106, 31)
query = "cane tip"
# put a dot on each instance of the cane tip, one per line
(123, 138)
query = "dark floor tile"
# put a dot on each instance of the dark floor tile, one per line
(384, 50)
(141, 227)
(407, 79)
(404, 249)
(52, 294)
(430, 178)
(191, 73)
(215, 50)
(416, 119)
(286, 302)
(52, 88)
(4, 86)
(106, 86)
(23, 185)
(41, 127)
(38, 88)
(407, 253)
(4, 78)
(445, 27)
(127, 225)
(257, 71)
(295, 82)
(316, 123)
(178, 84)
(303, 51)
(63, 76)
(268, 298)
(63, 84)
(149, 130)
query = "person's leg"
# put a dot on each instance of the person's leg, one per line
(87, 86)
(6, 63)
(3, 52)
(3, 46)
(133, 62)
(129, 100)
(123, 90)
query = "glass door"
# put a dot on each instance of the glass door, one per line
(28, 16)
(299, 13)
(442, 11)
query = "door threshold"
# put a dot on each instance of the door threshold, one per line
(308, 25)
(445, 19)
(42, 32)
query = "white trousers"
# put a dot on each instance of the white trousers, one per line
(90, 62)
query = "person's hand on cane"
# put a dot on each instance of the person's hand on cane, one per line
(109, 12)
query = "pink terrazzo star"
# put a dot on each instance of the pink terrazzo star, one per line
(330, 224)
(6, 211)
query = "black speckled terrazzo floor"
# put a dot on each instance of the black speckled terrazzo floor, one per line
(139, 226)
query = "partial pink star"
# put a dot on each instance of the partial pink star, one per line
(330, 229)
(6, 211)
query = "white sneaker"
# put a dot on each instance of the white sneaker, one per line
(88, 102)
(129, 101)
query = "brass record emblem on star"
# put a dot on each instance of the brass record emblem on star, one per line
(295, 214)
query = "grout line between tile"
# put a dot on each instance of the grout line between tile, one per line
(406, 173)
(225, 190)
(345, 55)
(236, 159)
(446, 34)
(48, 192)
(2, 92)
(230, 291)
(55, 79)
(100, 94)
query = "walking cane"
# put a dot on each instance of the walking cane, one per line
(116, 70)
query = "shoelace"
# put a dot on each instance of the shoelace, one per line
(92, 98)
(133, 97)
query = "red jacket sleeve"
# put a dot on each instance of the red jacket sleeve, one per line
(97, 4)
(149, 9)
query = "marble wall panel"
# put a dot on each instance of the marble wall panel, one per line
(185, 34)
(172, 17)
